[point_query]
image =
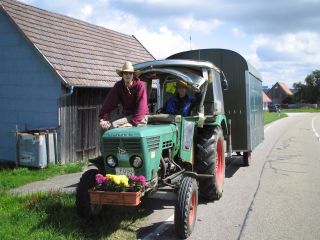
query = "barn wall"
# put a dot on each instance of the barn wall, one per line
(80, 130)
(29, 89)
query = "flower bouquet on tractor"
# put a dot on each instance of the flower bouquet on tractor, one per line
(117, 190)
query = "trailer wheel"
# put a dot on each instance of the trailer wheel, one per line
(186, 207)
(211, 160)
(84, 208)
(247, 159)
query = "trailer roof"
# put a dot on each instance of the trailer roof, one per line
(227, 60)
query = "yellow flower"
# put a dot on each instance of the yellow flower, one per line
(119, 179)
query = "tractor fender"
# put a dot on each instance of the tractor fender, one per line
(220, 120)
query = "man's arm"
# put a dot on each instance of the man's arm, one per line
(142, 105)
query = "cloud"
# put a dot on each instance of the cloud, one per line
(27, 1)
(86, 10)
(302, 46)
(288, 57)
(160, 42)
(238, 33)
(189, 23)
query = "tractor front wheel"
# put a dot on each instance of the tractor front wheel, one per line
(186, 207)
(211, 160)
(84, 208)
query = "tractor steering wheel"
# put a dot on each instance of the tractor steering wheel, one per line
(160, 110)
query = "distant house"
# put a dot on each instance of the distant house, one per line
(54, 73)
(265, 101)
(265, 89)
(279, 92)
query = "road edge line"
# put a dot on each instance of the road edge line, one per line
(313, 128)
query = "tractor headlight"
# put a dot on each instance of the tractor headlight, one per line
(136, 161)
(112, 161)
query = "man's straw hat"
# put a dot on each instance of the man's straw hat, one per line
(182, 84)
(127, 67)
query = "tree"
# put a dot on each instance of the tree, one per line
(310, 91)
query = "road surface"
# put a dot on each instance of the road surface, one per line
(277, 197)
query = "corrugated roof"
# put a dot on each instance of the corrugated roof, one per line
(285, 88)
(265, 98)
(81, 53)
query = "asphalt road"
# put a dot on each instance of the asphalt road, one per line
(277, 197)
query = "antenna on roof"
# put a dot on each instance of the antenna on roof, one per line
(190, 36)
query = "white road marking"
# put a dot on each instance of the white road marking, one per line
(163, 227)
(314, 129)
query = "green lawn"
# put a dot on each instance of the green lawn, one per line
(270, 117)
(53, 216)
(11, 178)
(300, 110)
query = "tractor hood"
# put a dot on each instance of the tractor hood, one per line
(140, 132)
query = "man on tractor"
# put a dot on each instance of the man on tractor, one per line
(182, 103)
(131, 94)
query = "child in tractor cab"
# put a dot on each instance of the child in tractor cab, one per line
(182, 103)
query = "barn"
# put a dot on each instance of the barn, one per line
(54, 73)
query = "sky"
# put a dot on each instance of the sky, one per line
(280, 38)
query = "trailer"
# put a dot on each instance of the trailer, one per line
(242, 100)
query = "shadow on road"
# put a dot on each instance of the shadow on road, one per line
(233, 165)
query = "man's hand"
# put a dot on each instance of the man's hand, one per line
(105, 125)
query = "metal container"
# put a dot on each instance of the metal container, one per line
(32, 150)
(243, 99)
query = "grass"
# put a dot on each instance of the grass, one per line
(53, 216)
(11, 178)
(269, 117)
(293, 110)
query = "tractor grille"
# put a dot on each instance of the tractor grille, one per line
(130, 145)
(167, 144)
(153, 143)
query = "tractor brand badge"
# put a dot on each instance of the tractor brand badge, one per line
(122, 153)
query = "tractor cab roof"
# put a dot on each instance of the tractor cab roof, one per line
(194, 73)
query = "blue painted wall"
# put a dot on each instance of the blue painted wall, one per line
(29, 89)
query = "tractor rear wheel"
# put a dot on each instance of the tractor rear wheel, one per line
(84, 208)
(185, 211)
(211, 160)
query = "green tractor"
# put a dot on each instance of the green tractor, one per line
(184, 156)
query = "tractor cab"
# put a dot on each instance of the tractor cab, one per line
(200, 76)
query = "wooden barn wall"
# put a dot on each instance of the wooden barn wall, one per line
(80, 131)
